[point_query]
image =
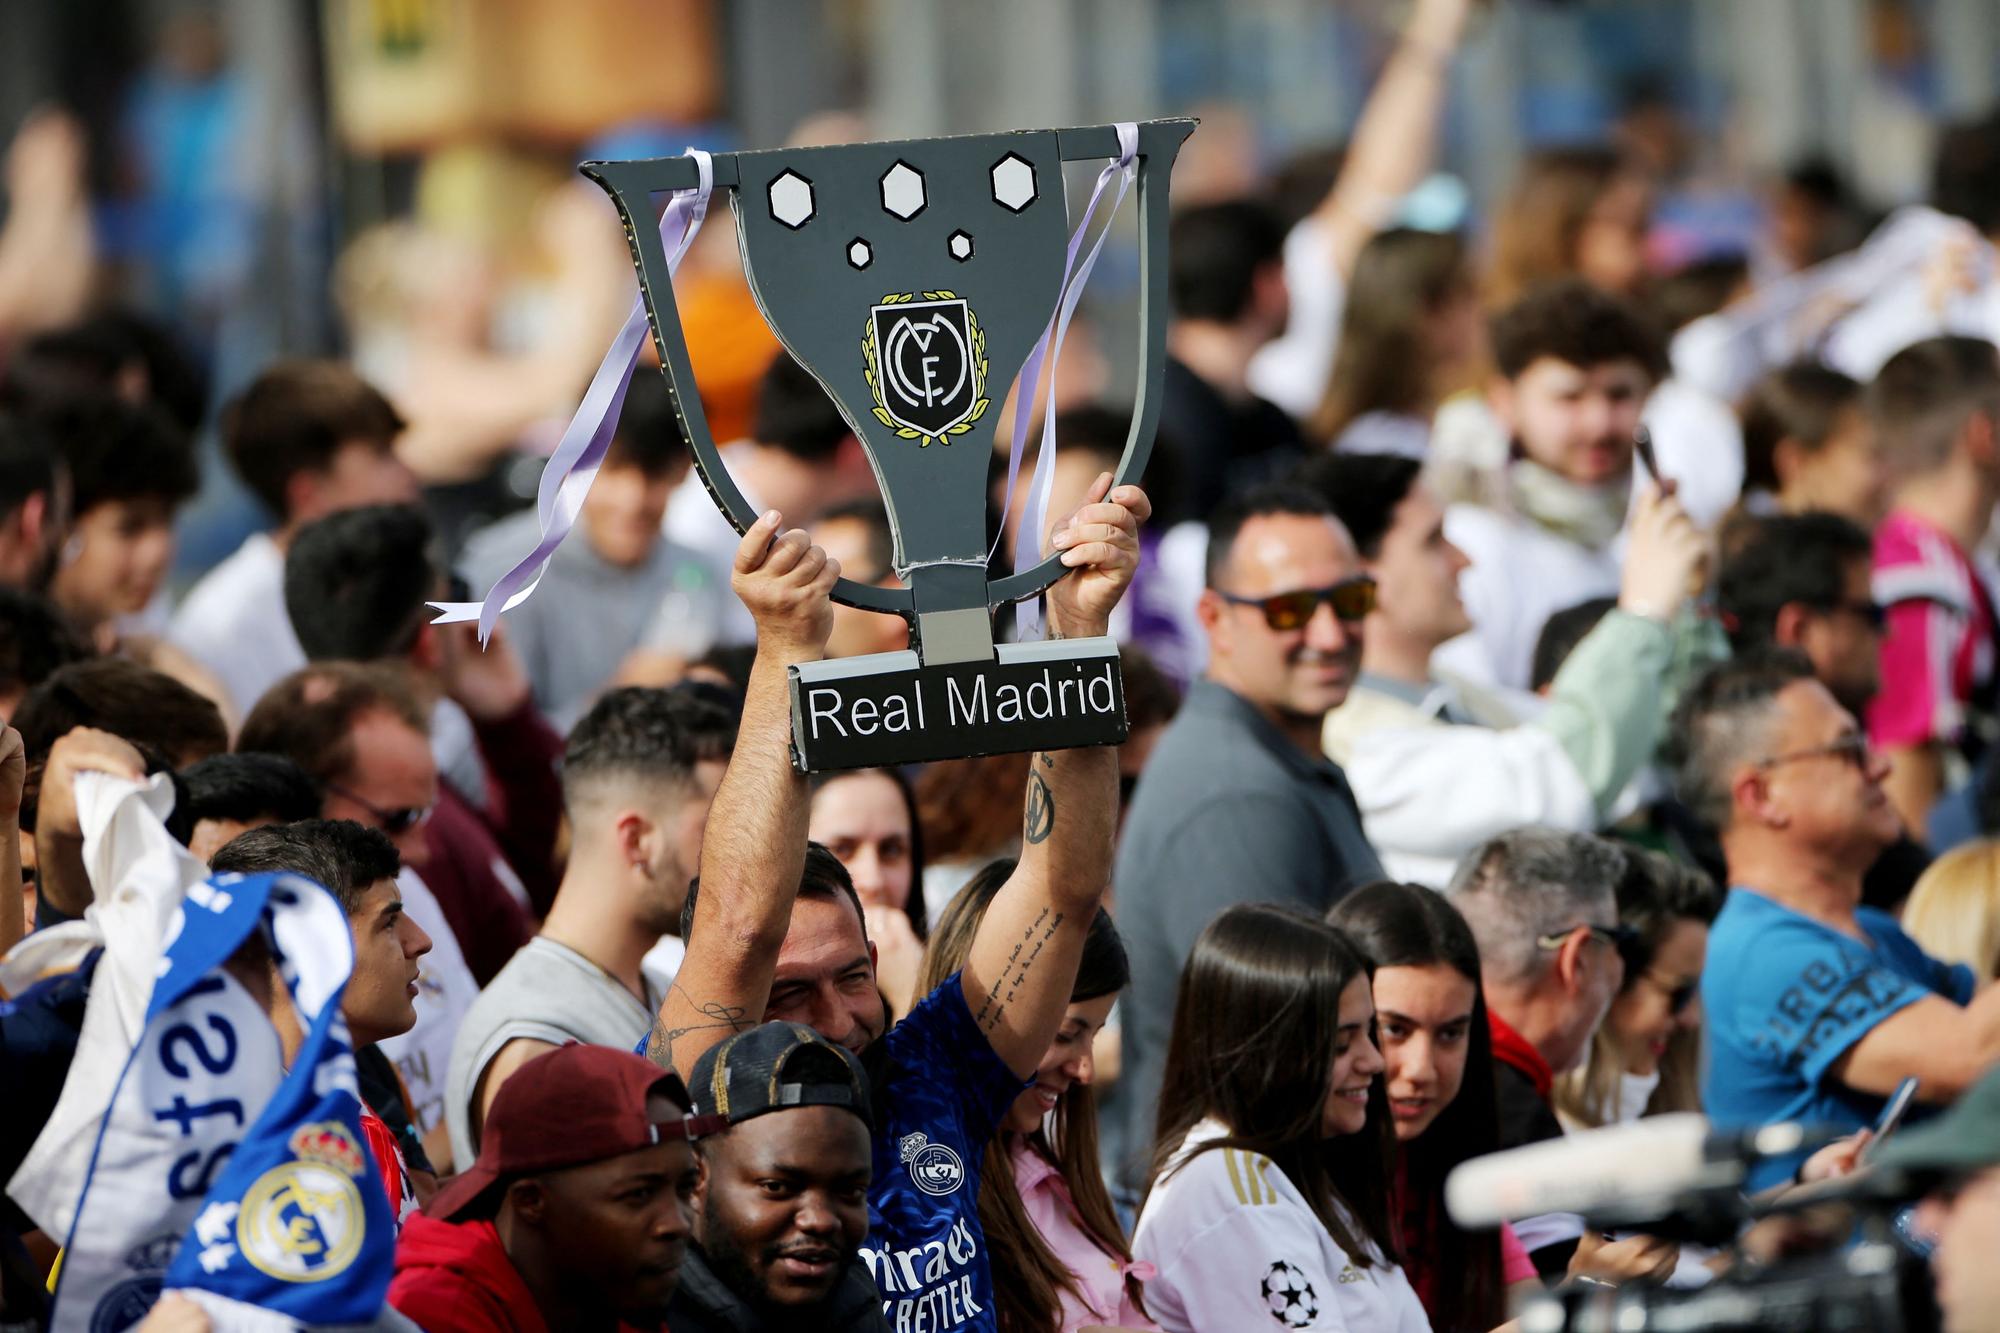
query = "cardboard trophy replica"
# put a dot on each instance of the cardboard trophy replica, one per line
(913, 279)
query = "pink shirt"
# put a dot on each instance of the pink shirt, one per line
(1938, 644)
(1102, 1276)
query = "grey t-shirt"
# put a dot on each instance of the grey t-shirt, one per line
(588, 614)
(547, 992)
(1229, 812)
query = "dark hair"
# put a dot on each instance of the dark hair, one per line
(1100, 432)
(1965, 172)
(1255, 1021)
(1151, 697)
(28, 463)
(35, 639)
(243, 787)
(1697, 289)
(732, 660)
(913, 906)
(100, 354)
(824, 877)
(648, 435)
(295, 417)
(309, 715)
(646, 734)
(343, 857)
(1214, 253)
(1362, 490)
(356, 582)
(1923, 395)
(1786, 558)
(1719, 722)
(1407, 925)
(1029, 1280)
(1384, 361)
(1654, 892)
(1228, 518)
(116, 450)
(881, 542)
(146, 707)
(795, 414)
(1802, 402)
(1560, 635)
(1571, 321)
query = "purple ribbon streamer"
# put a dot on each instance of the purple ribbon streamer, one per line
(1028, 543)
(572, 468)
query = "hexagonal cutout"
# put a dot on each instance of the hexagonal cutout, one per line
(1013, 183)
(859, 253)
(960, 245)
(791, 199)
(903, 191)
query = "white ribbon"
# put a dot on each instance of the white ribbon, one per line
(571, 469)
(1034, 512)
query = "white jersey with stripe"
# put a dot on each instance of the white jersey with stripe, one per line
(1238, 1249)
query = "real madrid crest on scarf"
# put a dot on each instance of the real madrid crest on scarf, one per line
(255, 1180)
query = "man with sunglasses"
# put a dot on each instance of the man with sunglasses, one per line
(1238, 802)
(1816, 1006)
(1543, 906)
(1438, 763)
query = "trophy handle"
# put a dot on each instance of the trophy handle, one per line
(631, 186)
(1159, 142)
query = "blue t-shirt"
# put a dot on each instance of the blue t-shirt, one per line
(1785, 996)
(939, 1093)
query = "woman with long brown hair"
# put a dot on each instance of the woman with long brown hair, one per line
(1269, 1191)
(1410, 333)
(1060, 1260)
(1573, 212)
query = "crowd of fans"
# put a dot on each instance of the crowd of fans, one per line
(1561, 692)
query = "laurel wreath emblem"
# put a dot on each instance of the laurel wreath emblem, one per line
(979, 362)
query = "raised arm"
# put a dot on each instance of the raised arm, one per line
(1395, 139)
(1023, 961)
(753, 850)
(65, 883)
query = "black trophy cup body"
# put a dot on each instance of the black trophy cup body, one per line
(912, 279)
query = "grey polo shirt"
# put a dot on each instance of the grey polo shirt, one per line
(1229, 811)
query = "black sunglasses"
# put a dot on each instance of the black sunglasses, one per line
(1678, 997)
(1873, 614)
(1351, 600)
(392, 822)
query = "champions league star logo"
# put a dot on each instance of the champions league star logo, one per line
(1288, 1296)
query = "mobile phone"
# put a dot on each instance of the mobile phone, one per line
(1892, 1115)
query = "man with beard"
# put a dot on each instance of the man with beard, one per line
(636, 786)
(1576, 367)
(1802, 581)
(1239, 803)
(785, 1205)
(576, 1215)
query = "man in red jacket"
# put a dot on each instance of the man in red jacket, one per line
(576, 1214)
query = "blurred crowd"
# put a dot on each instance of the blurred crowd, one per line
(1562, 689)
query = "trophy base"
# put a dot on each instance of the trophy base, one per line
(888, 708)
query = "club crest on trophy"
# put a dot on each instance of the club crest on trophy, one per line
(914, 279)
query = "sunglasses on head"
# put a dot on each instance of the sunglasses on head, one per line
(392, 822)
(1351, 600)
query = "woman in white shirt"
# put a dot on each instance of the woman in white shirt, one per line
(1268, 1198)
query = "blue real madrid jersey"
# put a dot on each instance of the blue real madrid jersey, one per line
(939, 1094)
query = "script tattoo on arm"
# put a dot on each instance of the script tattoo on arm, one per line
(660, 1045)
(1011, 977)
(1040, 819)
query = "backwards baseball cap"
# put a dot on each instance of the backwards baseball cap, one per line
(571, 1106)
(1962, 1140)
(777, 1067)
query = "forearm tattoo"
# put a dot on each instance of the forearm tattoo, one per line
(1020, 962)
(1040, 819)
(660, 1045)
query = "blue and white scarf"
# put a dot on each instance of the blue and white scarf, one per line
(215, 1171)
